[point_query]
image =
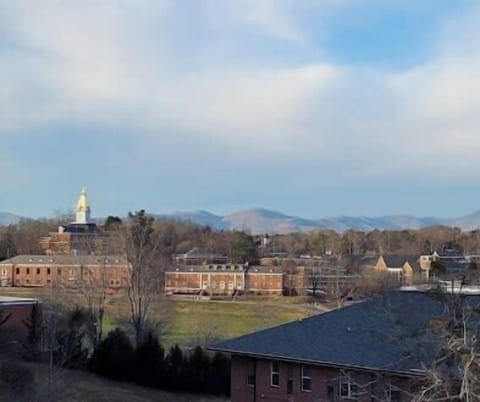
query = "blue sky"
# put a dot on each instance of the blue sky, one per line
(313, 108)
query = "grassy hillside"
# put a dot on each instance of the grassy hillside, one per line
(80, 386)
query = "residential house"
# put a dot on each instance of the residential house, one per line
(369, 351)
(405, 269)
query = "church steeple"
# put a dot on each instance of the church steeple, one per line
(82, 211)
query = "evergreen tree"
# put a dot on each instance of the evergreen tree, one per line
(175, 368)
(114, 356)
(35, 329)
(149, 362)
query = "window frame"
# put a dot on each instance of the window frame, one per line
(351, 387)
(306, 376)
(392, 389)
(275, 374)
(251, 373)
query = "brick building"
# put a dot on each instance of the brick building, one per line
(18, 310)
(363, 352)
(73, 256)
(405, 269)
(81, 236)
(224, 279)
(65, 270)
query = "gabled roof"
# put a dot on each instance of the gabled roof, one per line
(361, 260)
(387, 333)
(397, 261)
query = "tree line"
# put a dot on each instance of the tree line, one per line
(241, 246)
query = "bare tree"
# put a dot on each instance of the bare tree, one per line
(143, 252)
(455, 372)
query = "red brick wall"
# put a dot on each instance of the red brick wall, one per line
(28, 275)
(216, 283)
(14, 328)
(325, 383)
(182, 282)
(265, 283)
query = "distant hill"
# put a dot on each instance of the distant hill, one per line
(203, 218)
(265, 221)
(7, 218)
(261, 220)
(467, 222)
(391, 222)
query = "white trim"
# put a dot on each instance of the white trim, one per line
(274, 373)
(303, 377)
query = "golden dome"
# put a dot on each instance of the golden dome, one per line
(82, 203)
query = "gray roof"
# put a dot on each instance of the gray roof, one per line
(362, 260)
(389, 333)
(225, 268)
(397, 261)
(66, 260)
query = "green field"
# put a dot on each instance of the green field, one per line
(192, 322)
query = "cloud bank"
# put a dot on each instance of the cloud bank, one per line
(253, 79)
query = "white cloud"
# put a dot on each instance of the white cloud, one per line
(115, 62)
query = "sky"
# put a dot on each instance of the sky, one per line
(312, 108)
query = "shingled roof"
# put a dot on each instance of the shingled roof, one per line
(387, 334)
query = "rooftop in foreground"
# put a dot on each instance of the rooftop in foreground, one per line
(391, 333)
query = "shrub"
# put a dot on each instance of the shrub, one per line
(114, 356)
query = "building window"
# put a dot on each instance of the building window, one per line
(275, 374)
(347, 389)
(230, 285)
(222, 285)
(306, 379)
(28, 271)
(251, 363)
(38, 271)
(17, 271)
(4, 271)
(48, 271)
(393, 394)
(59, 271)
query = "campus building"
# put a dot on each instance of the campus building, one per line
(74, 255)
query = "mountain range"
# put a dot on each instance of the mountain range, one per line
(259, 220)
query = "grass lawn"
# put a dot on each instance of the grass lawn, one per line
(191, 322)
(203, 322)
